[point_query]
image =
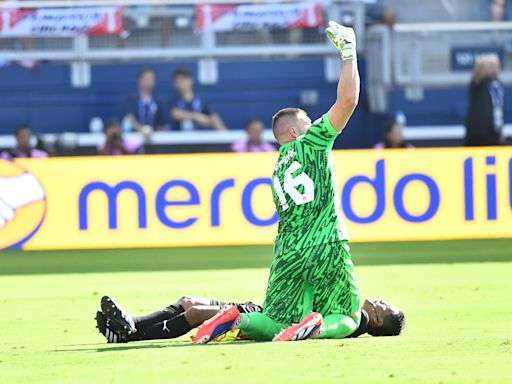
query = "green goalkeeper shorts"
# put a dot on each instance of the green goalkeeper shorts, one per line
(319, 278)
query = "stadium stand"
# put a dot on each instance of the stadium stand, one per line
(409, 70)
(245, 90)
(441, 11)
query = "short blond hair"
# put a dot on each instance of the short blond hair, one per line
(292, 112)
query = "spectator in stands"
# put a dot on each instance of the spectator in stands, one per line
(485, 118)
(143, 112)
(393, 137)
(254, 142)
(379, 12)
(115, 145)
(23, 147)
(498, 10)
(188, 111)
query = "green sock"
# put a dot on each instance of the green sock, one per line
(260, 327)
(338, 326)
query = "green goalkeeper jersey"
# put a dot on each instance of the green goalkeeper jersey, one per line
(305, 191)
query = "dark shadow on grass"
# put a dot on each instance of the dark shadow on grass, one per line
(223, 258)
(153, 345)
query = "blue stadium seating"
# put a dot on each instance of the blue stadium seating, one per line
(246, 89)
(46, 100)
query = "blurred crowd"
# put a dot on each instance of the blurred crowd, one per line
(145, 114)
(189, 112)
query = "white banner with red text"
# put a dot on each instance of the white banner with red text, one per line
(223, 17)
(61, 22)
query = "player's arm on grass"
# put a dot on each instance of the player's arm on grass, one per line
(347, 95)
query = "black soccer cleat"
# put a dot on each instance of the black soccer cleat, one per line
(106, 331)
(118, 320)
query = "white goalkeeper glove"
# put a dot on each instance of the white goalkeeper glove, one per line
(343, 38)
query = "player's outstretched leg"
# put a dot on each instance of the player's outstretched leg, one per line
(307, 328)
(117, 318)
(227, 319)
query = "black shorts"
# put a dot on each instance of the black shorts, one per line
(247, 307)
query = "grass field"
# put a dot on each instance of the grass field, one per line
(456, 296)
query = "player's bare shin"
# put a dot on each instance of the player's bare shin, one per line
(197, 315)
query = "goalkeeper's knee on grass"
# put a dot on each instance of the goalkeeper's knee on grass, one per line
(337, 326)
(259, 327)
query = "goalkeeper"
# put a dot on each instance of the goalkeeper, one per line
(311, 290)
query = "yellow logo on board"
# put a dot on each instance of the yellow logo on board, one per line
(22, 205)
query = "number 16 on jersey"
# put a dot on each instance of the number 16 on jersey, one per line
(291, 183)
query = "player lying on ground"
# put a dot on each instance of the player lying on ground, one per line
(312, 267)
(118, 326)
(378, 319)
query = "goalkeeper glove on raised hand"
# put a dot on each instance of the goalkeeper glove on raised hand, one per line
(343, 38)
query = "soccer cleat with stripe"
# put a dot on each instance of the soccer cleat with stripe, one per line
(227, 319)
(307, 328)
(118, 319)
(104, 328)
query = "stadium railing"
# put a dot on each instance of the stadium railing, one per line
(165, 30)
(191, 142)
(423, 55)
(413, 56)
(75, 144)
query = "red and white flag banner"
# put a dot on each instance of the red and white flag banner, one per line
(220, 17)
(61, 22)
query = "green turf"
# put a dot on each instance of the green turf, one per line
(458, 317)
(137, 260)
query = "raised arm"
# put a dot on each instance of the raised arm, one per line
(347, 95)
